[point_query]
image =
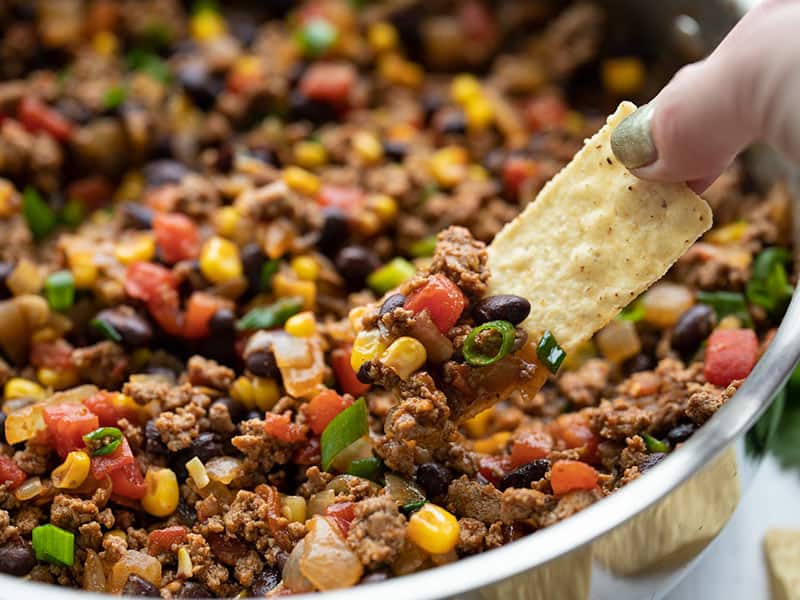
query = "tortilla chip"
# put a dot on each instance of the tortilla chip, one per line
(593, 240)
(782, 547)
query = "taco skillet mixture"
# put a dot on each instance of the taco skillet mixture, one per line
(245, 342)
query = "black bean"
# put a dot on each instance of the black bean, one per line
(235, 410)
(137, 216)
(266, 155)
(133, 328)
(6, 268)
(74, 110)
(153, 442)
(430, 105)
(334, 231)
(253, 414)
(262, 363)
(680, 433)
(454, 123)
(303, 108)
(525, 475)
(266, 581)
(160, 172)
(354, 263)
(17, 557)
(640, 362)
(505, 307)
(253, 259)
(434, 479)
(137, 586)
(651, 461)
(206, 446)
(364, 372)
(392, 302)
(199, 84)
(193, 589)
(395, 151)
(222, 322)
(2, 427)
(186, 514)
(692, 328)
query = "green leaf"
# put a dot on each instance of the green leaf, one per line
(411, 507)
(727, 303)
(344, 429)
(73, 213)
(40, 217)
(769, 285)
(269, 317)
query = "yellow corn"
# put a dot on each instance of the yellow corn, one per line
(382, 37)
(433, 529)
(162, 495)
(396, 69)
(265, 393)
(404, 356)
(494, 444)
(105, 43)
(623, 76)
(368, 345)
(310, 154)
(478, 425)
(9, 199)
(207, 25)
(384, 206)
(730, 322)
(464, 88)
(58, 380)
(367, 147)
(227, 220)
(479, 113)
(185, 566)
(197, 471)
(301, 181)
(26, 278)
(137, 248)
(17, 387)
(448, 165)
(727, 234)
(73, 471)
(285, 287)
(477, 173)
(294, 508)
(124, 403)
(118, 533)
(301, 325)
(366, 222)
(305, 267)
(220, 260)
(247, 65)
(242, 391)
(355, 317)
(84, 271)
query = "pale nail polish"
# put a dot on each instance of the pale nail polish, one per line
(632, 140)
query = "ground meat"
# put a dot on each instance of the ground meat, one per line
(468, 498)
(203, 371)
(261, 451)
(177, 429)
(618, 419)
(33, 459)
(378, 531)
(519, 504)
(471, 536)
(584, 386)
(247, 516)
(90, 535)
(104, 363)
(462, 259)
(705, 401)
(316, 480)
(711, 267)
(571, 39)
(69, 512)
(146, 391)
(247, 567)
(219, 418)
(575, 502)
(114, 547)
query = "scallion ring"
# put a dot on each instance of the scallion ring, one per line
(473, 351)
(110, 438)
(549, 352)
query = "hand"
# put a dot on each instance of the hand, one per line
(747, 90)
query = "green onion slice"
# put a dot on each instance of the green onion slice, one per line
(269, 317)
(634, 312)
(769, 285)
(549, 352)
(390, 275)
(40, 217)
(54, 545)
(110, 436)
(424, 247)
(653, 444)
(368, 468)
(114, 97)
(268, 271)
(73, 213)
(106, 328)
(472, 351)
(411, 507)
(727, 303)
(59, 289)
(344, 429)
(317, 37)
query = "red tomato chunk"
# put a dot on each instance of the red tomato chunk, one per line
(323, 408)
(10, 473)
(530, 447)
(161, 540)
(68, 423)
(281, 427)
(37, 116)
(177, 237)
(443, 300)
(570, 475)
(127, 481)
(110, 463)
(342, 513)
(730, 354)
(348, 382)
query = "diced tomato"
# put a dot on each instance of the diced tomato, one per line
(52, 355)
(329, 82)
(443, 300)
(570, 475)
(110, 463)
(346, 198)
(177, 236)
(572, 431)
(127, 481)
(309, 454)
(281, 427)
(342, 513)
(37, 116)
(730, 354)
(529, 447)
(494, 468)
(199, 310)
(143, 280)
(161, 540)
(545, 112)
(67, 423)
(10, 473)
(93, 192)
(348, 382)
(110, 407)
(516, 170)
(323, 407)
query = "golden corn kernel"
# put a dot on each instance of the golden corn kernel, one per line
(494, 444)
(355, 317)
(465, 88)
(26, 278)
(623, 76)
(433, 529)
(294, 508)
(382, 37)
(197, 471)
(404, 356)
(220, 260)
(247, 65)
(162, 495)
(366, 222)
(396, 69)
(478, 425)
(207, 25)
(17, 387)
(73, 471)
(305, 267)
(479, 113)
(301, 325)
(185, 565)
(730, 322)
(368, 345)
(367, 147)
(727, 234)
(301, 181)
(448, 165)
(84, 271)
(284, 287)
(242, 391)
(57, 380)
(105, 43)
(265, 393)
(9, 199)
(227, 220)
(310, 154)
(136, 248)
(384, 206)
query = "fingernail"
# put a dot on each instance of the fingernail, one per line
(632, 141)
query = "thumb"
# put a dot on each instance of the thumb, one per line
(747, 90)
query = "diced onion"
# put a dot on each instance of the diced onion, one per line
(30, 488)
(224, 469)
(327, 560)
(320, 501)
(618, 341)
(94, 578)
(134, 563)
(665, 302)
(293, 578)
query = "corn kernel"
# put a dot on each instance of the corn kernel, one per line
(17, 387)
(478, 425)
(207, 25)
(162, 495)
(494, 444)
(305, 267)
(366, 222)
(242, 391)
(197, 471)
(220, 260)
(185, 566)
(26, 278)
(395, 69)
(227, 220)
(9, 199)
(355, 317)
(294, 508)
(118, 533)
(285, 287)
(433, 529)
(367, 147)
(465, 88)
(57, 380)
(478, 173)
(448, 166)
(479, 113)
(137, 248)
(404, 356)
(84, 271)
(730, 322)
(623, 76)
(105, 43)
(301, 324)
(247, 66)
(310, 154)
(727, 234)
(382, 37)
(301, 180)
(384, 206)
(73, 471)
(265, 393)
(368, 345)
